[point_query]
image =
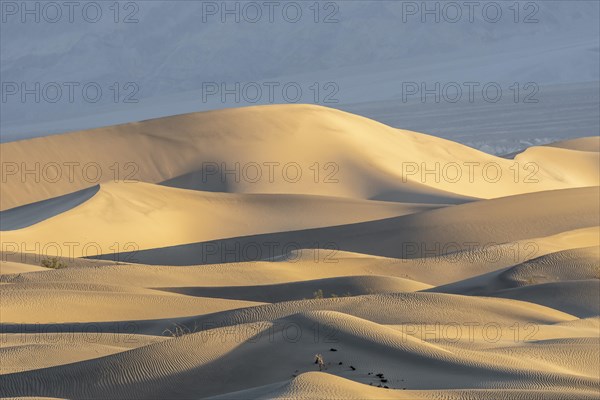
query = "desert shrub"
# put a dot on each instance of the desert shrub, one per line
(179, 330)
(318, 294)
(53, 263)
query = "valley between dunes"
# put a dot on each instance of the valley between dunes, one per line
(215, 254)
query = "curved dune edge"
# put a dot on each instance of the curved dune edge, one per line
(442, 231)
(127, 222)
(328, 287)
(386, 163)
(123, 216)
(31, 214)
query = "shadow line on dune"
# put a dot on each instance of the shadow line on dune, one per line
(30, 214)
(430, 233)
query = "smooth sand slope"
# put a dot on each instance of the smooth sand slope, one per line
(297, 149)
(217, 227)
(227, 288)
(476, 225)
(139, 216)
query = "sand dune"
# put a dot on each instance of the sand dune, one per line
(582, 144)
(375, 308)
(310, 264)
(383, 160)
(9, 267)
(59, 302)
(30, 214)
(30, 352)
(315, 384)
(125, 222)
(311, 385)
(329, 287)
(121, 216)
(565, 280)
(567, 265)
(409, 284)
(427, 234)
(580, 298)
(184, 366)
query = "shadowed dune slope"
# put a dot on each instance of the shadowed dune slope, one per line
(30, 214)
(331, 287)
(143, 216)
(314, 264)
(567, 265)
(442, 231)
(580, 298)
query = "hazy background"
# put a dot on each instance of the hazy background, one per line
(366, 57)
